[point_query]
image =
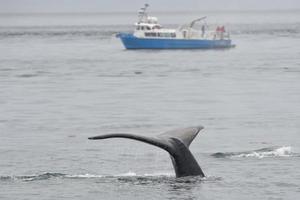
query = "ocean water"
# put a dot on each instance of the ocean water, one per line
(65, 77)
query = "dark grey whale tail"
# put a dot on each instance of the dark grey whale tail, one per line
(176, 142)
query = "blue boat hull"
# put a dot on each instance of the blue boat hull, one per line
(131, 42)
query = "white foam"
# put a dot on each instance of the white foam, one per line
(159, 174)
(284, 151)
(127, 174)
(84, 176)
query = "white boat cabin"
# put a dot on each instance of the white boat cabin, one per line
(148, 27)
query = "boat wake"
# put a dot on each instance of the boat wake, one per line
(269, 152)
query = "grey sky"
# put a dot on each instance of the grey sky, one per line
(132, 5)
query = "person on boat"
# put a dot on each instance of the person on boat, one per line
(217, 33)
(203, 30)
(222, 31)
(184, 34)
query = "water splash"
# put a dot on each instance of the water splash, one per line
(83, 176)
(269, 152)
(126, 174)
(160, 174)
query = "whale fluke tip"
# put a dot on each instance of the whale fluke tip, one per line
(95, 138)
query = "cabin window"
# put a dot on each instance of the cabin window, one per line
(148, 28)
(155, 34)
(150, 34)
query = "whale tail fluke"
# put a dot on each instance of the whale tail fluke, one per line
(185, 135)
(176, 142)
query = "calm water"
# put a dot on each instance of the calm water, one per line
(66, 77)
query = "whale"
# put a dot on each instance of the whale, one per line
(175, 142)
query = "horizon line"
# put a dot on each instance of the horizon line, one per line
(157, 11)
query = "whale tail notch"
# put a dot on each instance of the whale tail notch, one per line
(175, 142)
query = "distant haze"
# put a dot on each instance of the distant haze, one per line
(15, 6)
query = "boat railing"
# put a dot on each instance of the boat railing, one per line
(219, 35)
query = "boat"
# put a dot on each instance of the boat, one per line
(149, 34)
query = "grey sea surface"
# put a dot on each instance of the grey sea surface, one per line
(65, 77)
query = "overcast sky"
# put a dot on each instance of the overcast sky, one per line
(133, 5)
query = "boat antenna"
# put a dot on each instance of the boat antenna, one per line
(142, 13)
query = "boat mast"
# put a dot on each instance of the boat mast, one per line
(143, 14)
